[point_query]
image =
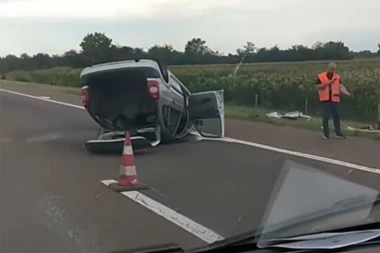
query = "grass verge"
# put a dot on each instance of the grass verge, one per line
(259, 115)
(233, 112)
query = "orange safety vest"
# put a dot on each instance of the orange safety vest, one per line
(335, 86)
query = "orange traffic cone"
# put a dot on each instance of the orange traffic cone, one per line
(127, 180)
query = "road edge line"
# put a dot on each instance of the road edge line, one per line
(300, 154)
(194, 228)
(42, 99)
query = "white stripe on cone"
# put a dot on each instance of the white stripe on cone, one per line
(128, 150)
(128, 170)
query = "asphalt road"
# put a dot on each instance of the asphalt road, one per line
(52, 199)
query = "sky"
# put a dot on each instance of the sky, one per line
(56, 26)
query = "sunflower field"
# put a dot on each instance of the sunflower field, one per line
(278, 86)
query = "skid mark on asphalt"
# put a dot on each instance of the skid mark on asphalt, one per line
(63, 223)
(231, 140)
(185, 223)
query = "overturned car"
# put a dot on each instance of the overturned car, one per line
(146, 99)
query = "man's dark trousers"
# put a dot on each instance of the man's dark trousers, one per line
(330, 108)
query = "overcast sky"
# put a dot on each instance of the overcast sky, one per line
(55, 26)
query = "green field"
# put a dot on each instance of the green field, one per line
(279, 86)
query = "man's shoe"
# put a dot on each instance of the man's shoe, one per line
(340, 136)
(326, 137)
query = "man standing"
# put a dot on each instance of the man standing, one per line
(330, 87)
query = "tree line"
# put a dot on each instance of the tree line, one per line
(98, 48)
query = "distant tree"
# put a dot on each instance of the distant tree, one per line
(96, 47)
(317, 45)
(197, 52)
(139, 52)
(70, 53)
(95, 42)
(161, 51)
(11, 62)
(166, 53)
(72, 58)
(26, 62)
(363, 54)
(2, 70)
(196, 46)
(248, 50)
(125, 51)
(42, 61)
(24, 56)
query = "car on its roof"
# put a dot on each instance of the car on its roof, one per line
(146, 99)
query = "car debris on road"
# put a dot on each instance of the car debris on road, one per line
(295, 115)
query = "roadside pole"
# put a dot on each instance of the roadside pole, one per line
(306, 105)
(378, 116)
(378, 121)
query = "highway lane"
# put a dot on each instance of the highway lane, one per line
(51, 198)
(223, 186)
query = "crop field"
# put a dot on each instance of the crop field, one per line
(280, 86)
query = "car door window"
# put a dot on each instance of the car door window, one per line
(164, 71)
(175, 84)
(206, 110)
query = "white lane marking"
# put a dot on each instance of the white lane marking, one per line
(43, 97)
(252, 144)
(44, 138)
(299, 154)
(38, 98)
(180, 220)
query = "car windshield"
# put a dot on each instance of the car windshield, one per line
(306, 200)
(126, 124)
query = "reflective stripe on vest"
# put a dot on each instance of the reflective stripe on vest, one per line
(335, 86)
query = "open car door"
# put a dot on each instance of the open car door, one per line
(206, 110)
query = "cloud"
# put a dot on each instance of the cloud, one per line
(96, 9)
(55, 26)
(111, 9)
